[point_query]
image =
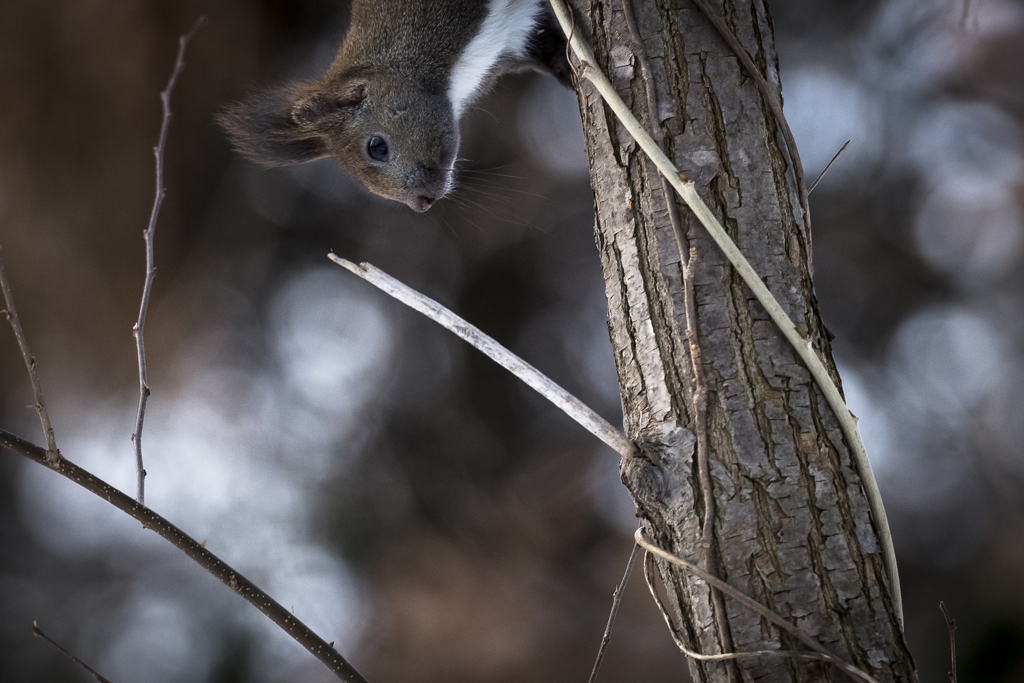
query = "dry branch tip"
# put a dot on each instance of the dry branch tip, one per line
(951, 625)
(53, 455)
(542, 384)
(38, 632)
(138, 329)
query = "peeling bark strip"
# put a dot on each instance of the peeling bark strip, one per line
(792, 524)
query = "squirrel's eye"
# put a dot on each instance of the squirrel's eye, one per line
(377, 148)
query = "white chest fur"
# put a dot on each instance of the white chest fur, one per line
(505, 32)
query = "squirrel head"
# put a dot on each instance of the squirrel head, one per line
(394, 136)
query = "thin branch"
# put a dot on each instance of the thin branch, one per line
(751, 604)
(52, 453)
(828, 166)
(804, 347)
(616, 601)
(196, 551)
(572, 406)
(147, 288)
(773, 103)
(951, 625)
(38, 632)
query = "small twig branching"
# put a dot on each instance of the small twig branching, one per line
(803, 345)
(572, 406)
(38, 632)
(196, 551)
(616, 601)
(951, 625)
(820, 651)
(828, 166)
(147, 288)
(52, 454)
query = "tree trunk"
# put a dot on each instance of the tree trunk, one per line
(791, 523)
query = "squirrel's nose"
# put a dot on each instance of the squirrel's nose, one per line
(422, 203)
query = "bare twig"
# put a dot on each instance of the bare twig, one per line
(804, 347)
(822, 652)
(196, 551)
(572, 406)
(52, 454)
(773, 103)
(951, 625)
(147, 288)
(827, 166)
(616, 601)
(38, 632)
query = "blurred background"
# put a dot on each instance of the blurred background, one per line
(401, 494)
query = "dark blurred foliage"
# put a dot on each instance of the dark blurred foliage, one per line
(402, 494)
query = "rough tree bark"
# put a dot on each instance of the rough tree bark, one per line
(792, 527)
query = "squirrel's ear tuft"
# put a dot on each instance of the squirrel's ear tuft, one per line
(314, 108)
(266, 129)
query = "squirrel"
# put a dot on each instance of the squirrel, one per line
(389, 105)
